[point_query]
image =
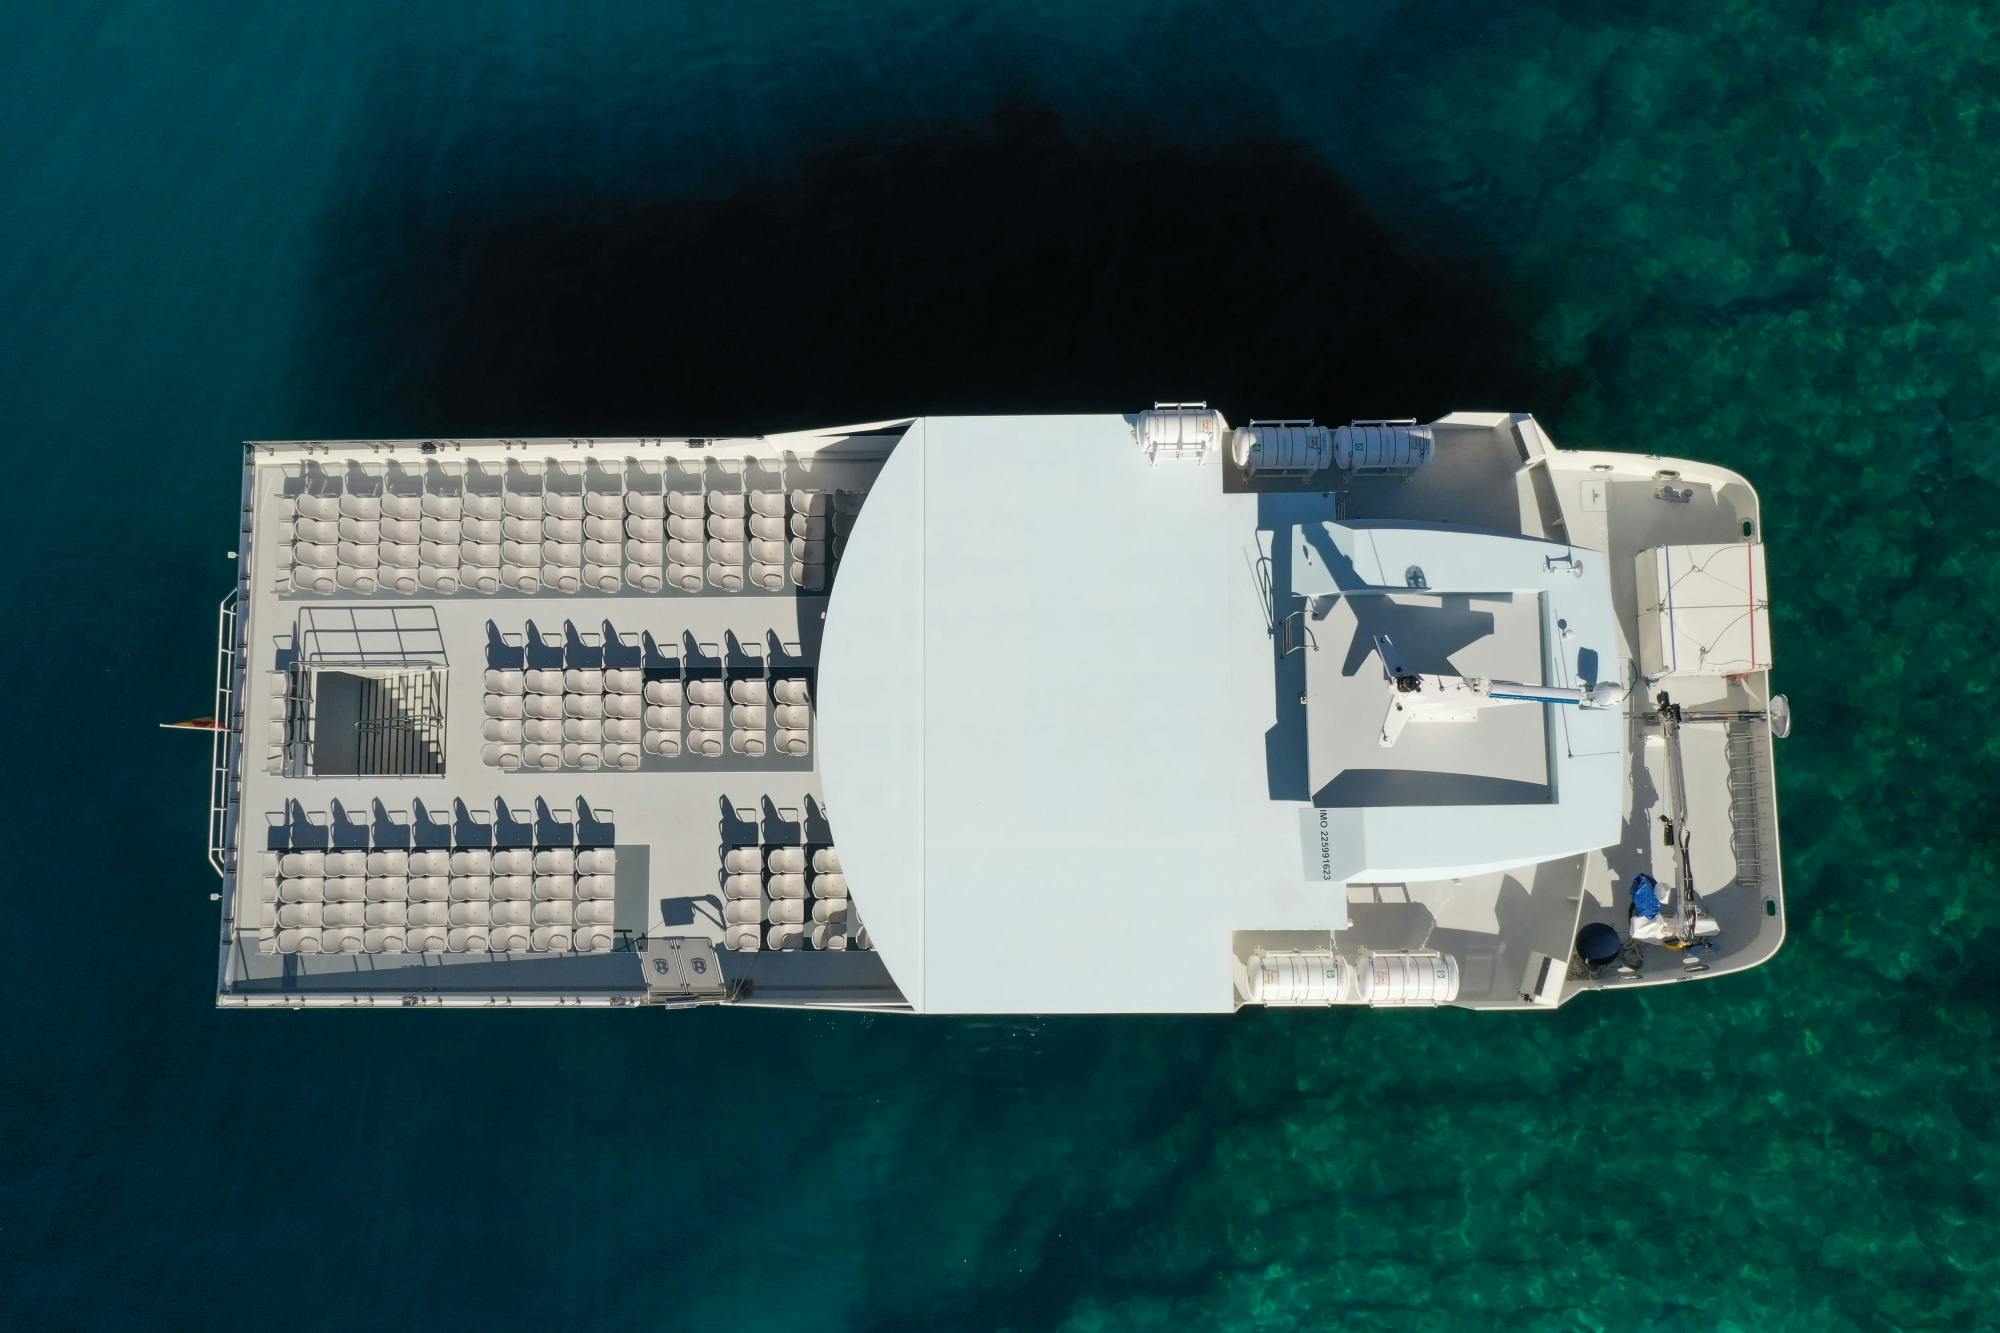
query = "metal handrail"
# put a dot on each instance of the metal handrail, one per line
(228, 728)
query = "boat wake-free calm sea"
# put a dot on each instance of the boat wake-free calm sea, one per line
(994, 715)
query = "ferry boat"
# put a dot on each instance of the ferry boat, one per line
(1113, 713)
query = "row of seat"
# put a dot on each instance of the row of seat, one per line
(569, 542)
(547, 719)
(801, 899)
(552, 899)
(278, 730)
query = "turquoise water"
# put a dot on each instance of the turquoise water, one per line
(1758, 234)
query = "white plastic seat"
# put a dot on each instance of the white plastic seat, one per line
(503, 755)
(445, 508)
(342, 939)
(685, 577)
(810, 552)
(315, 555)
(749, 692)
(651, 554)
(829, 937)
(597, 552)
(303, 863)
(267, 891)
(479, 555)
(430, 861)
(275, 733)
(624, 756)
(361, 506)
(542, 682)
(522, 504)
(346, 863)
(743, 886)
(476, 888)
(513, 912)
(551, 939)
(606, 578)
(562, 578)
(302, 889)
(389, 861)
(300, 915)
(511, 939)
(826, 861)
(786, 886)
(427, 913)
(750, 744)
(743, 939)
(666, 744)
(771, 578)
(705, 717)
(597, 911)
(793, 742)
(624, 680)
(766, 528)
(399, 580)
(313, 580)
(489, 507)
(443, 554)
(596, 888)
(568, 531)
(831, 885)
(593, 939)
(588, 730)
(807, 578)
(686, 504)
(750, 717)
(520, 553)
(429, 888)
(785, 937)
(472, 914)
(622, 730)
(583, 705)
(597, 861)
(791, 690)
(400, 530)
(490, 531)
(386, 914)
(470, 939)
(356, 579)
(513, 887)
(555, 886)
(604, 504)
(743, 861)
(859, 939)
(707, 744)
(318, 506)
(506, 682)
(706, 692)
(583, 680)
(768, 504)
(681, 530)
(524, 530)
(684, 553)
(384, 939)
(642, 530)
(828, 910)
(398, 555)
(359, 555)
(566, 505)
(425, 940)
(341, 914)
(555, 861)
(768, 552)
(727, 552)
(542, 731)
(742, 911)
(505, 707)
(785, 860)
(472, 861)
(664, 692)
(543, 705)
(809, 502)
(808, 527)
(298, 941)
(514, 861)
(646, 504)
(727, 504)
(725, 529)
(579, 754)
(318, 531)
(795, 716)
(541, 756)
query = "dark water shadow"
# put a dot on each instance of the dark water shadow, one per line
(1016, 267)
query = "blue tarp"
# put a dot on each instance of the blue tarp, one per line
(1645, 896)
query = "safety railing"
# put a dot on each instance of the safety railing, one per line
(228, 731)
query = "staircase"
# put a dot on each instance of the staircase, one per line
(400, 732)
